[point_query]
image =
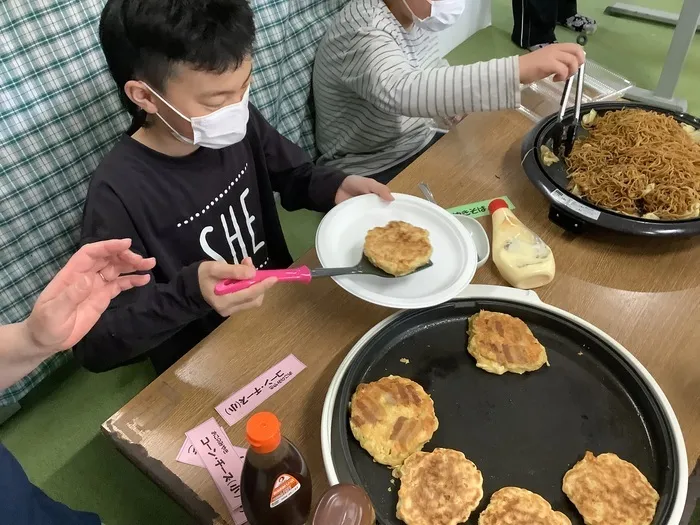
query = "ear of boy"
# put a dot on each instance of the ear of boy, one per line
(211, 272)
(156, 135)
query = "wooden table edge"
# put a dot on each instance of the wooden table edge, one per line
(162, 476)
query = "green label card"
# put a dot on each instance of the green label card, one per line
(478, 209)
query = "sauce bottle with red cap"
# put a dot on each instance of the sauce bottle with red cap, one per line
(522, 258)
(275, 483)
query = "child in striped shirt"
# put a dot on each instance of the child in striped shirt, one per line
(379, 83)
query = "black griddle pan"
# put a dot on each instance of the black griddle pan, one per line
(576, 214)
(524, 431)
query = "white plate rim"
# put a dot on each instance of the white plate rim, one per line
(406, 304)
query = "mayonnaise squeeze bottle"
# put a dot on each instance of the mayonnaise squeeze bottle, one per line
(522, 258)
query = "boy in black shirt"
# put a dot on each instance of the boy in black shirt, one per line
(192, 184)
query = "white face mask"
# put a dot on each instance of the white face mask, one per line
(217, 130)
(443, 14)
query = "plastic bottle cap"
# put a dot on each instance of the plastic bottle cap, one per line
(497, 204)
(264, 432)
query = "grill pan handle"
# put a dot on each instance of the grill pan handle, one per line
(562, 218)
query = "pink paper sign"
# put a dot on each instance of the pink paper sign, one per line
(223, 463)
(188, 454)
(261, 388)
(239, 517)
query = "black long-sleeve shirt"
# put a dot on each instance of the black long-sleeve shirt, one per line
(209, 205)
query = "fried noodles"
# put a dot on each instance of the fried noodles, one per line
(639, 163)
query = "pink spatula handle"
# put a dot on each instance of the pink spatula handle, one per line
(290, 275)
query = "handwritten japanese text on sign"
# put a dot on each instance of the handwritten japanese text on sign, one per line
(261, 388)
(223, 463)
(188, 454)
(478, 209)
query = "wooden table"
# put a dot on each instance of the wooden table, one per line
(643, 292)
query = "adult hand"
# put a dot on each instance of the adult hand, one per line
(560, 60)
(354, 185)
(211, 272)
(76, 297)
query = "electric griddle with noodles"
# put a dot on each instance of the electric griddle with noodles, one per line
(576, 214)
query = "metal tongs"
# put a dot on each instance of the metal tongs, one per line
(563, 136)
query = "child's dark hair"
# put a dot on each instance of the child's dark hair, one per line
(143, 39)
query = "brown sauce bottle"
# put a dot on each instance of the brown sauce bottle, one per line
(275, 483)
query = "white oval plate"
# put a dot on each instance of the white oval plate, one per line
(340, 241)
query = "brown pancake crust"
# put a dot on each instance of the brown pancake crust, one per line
(399, 248)
(607, 489)
(392, 418)
(438, 488)
(503, 343)
(516, 506)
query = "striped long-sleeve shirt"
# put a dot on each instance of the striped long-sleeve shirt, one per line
(377, 86)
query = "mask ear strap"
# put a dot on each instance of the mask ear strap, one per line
(175, 133)
(165, 102)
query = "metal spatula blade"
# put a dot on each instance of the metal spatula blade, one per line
(364, 267)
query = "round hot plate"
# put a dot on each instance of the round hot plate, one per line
(523, 431)
(575, 213)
